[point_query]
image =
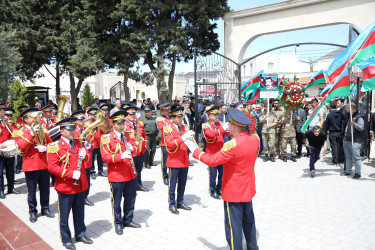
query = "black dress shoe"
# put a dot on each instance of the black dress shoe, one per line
(148, 166)
(33, 218)
(183, 206)
(102, 174)
(173, 210)
(142, 188)
(132, 224)
(18, 171)
(152, 164)
(93, 176)
(346, 174)
(84, 240)
(119, 230)
(14, 191)
(69, 245)
(166, 182)
(2, 195)
(219, 193)
(88, 203)
(215, 196)
(17, 182)
(48, 214)
(294, 159)
(356, 176)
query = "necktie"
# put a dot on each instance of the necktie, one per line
(134, 126)
(48, 122)
(81, 130)
(123, 138)
(72, 145)
(179, 129)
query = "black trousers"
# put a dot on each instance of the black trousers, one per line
(74, 203)
(180, 175)
(87, 191)
(8, 165)
(150, 149)
(239, 218)
(40, 178)
(96, 154)
(19, 163)
(164, 157)
(138, 162)
(126, 189)
(337, 147)
(299, 143)
(215, 171)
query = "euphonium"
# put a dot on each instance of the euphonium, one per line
(61, 100)
(39, 135)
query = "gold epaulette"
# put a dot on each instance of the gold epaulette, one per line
(160, 119)
(105, 139)
(140, 122)
(17, 133)
(53, 148)
(229, 145)
(205, 125)
(167, 129)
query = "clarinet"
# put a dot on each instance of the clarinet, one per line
(131, 157)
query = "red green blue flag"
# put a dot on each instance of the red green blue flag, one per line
(252, 83)
(313, 114)
(340, 87)
(318, 78)
(368, 69)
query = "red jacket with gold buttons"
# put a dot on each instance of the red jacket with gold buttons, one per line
(119, 170)
(32, 159)
(87, 164)
(163, 121)
(178, 152)
(213, 133)
(131, 137)
(238, 156)
(44, 121)
(5, 132)
(62, 162)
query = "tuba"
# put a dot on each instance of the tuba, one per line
(39, 135)
(61, 100)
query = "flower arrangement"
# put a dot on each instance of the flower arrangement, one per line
(253, 127)
(292, 96)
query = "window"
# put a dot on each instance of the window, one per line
(270, 67)
(251, 69)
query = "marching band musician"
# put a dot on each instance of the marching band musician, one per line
(86, 109)
(178, 158)
(121, 171)
(105, 110)
(63, 160)
(95, 138)
(34, 164)
(80, 122)
(238, 156)
(9, 118)
(6, 163)
(213, 133)
(163, 121)
(19, 121)
(132, 127)
(46, 118)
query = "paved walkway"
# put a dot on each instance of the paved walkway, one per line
(292, 211)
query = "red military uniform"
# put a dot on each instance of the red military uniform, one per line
(88, 163)
(47, 124)
(178, 155)
(143, 136)
(5, 132)
(118, 169)
(213, 133)
(131, 137)
(239, 161)
(62, 161)
(163, 121)
(31, 157)
(20, 121)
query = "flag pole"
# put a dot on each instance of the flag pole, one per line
(268, 108)
(351, 118)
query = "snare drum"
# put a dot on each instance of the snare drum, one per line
(10, 149)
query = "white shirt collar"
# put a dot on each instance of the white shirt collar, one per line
(27, 126)
(66, 140)
(118, 134)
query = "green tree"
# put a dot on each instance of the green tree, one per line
(88, 97)
(20, 95)
(9, 60)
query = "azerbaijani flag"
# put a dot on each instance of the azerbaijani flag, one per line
(340, 87)
(252, 83)
(368, 69)
(318, 78)
(342, 60)
(313, 114)
(366, 51)
(325, 90)
(255, 94)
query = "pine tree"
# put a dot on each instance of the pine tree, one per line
(87, 96)
(20, 94)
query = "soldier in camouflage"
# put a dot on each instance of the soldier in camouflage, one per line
(279, 112)
(269, 122)
(288, 134)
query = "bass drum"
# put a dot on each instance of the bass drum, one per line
(10, 150)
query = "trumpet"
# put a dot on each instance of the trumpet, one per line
(131, 157)
(39, 135)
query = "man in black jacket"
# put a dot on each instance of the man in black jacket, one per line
(333, 124)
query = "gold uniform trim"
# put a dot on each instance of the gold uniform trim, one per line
(199, 157)
(105, 139)
(159, 119)
(17, 133)
(230, 225)
(62, 175)
(229, 145)
(53, 148)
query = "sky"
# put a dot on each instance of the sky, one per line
(331, 34)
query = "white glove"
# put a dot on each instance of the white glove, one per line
(129, 147)
(191, 145)
(126, 154)
(87, 145)
(225, 126)
(36, 127)
(76, 174)
(41, 148)
(188, 135)
(82, 154)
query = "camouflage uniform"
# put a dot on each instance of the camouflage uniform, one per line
(288, 134)
(268, 134)
(279, 114)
